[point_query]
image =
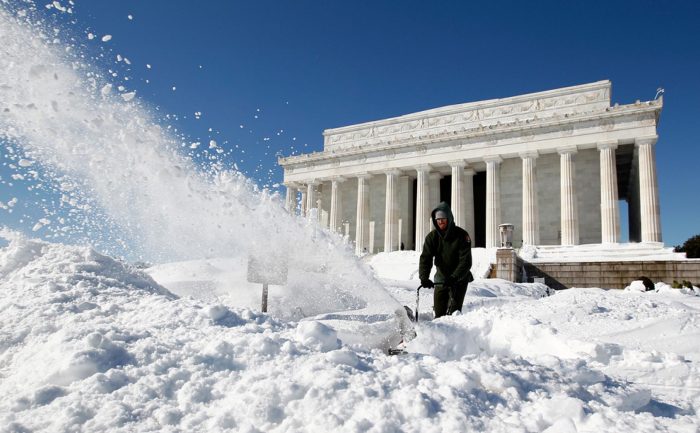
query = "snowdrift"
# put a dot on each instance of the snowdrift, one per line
(91, 344)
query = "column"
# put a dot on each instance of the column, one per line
(422, 205)
(406, 201)
(648, 190)
(290, 202)
(609, 212)
(569, 206)
(336, 210)
(434, 193)
(311, 200)
(458, 192)
(362, 220)
(469, 201)
(493, 200)
(304, 203)
(531, 218)
(391, 211)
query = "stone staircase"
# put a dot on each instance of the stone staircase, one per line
(648, 251)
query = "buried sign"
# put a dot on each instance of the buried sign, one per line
(265, 270)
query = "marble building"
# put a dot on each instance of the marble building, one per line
(556, 164)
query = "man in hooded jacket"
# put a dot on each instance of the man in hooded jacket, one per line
(451, 247)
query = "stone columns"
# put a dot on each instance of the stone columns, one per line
(391, 211)
(609, 212)
(336, 200)
(569, 206)
(469, 201)
(493, 200)
(531, 216)
(648, 190)
(458, 195)
(290, 202)
(422, 205)
(362, 220)
(311, 200)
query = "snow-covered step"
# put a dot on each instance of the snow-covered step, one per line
(600, 252)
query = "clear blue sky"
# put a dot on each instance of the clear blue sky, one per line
(312, 65)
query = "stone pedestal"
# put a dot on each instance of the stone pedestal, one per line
(508, 265)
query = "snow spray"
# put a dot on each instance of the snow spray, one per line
(123, 180)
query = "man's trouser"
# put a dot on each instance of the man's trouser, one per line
(441, 299)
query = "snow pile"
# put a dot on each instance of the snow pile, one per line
(91, 344)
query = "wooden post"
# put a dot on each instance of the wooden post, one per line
(264, 298)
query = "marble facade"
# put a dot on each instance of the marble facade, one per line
(554, 163)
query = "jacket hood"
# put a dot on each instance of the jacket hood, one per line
(450, 218)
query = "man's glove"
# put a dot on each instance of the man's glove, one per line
(427, 284)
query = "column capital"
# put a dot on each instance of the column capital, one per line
(641, 141)
(469, 172)
(338, 179)
(567, 150)
(494, 158)
(291, 184)
(365, 176)
(609, 144)
(313, 182)
(529, 154)
(457, 163)
(423, 168)
(436, 175)
(393, 171)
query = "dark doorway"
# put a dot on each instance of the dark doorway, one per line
(479, 209)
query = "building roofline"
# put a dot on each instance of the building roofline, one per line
(455, 108)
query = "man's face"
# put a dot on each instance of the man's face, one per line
(442, 223)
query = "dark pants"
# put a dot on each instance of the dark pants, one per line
(441, 299)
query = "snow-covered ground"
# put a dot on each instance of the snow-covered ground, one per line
(90, 344)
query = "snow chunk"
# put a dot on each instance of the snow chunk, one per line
(106, 38)
(317, 335)
(128, 96)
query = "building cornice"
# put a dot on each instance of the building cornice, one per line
(526, 126)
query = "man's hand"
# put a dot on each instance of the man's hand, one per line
(427, 284)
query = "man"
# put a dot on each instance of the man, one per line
(451, 247)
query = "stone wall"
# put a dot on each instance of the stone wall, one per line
(612, 275)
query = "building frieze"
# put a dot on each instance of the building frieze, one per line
(518, 130)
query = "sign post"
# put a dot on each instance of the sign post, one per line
(267, 269)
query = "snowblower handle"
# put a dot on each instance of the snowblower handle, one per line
(417, 300)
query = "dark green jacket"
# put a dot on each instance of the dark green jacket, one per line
(452, 251)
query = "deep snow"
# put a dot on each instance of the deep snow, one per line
(91, 344)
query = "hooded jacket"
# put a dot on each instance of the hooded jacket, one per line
(451, 249)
